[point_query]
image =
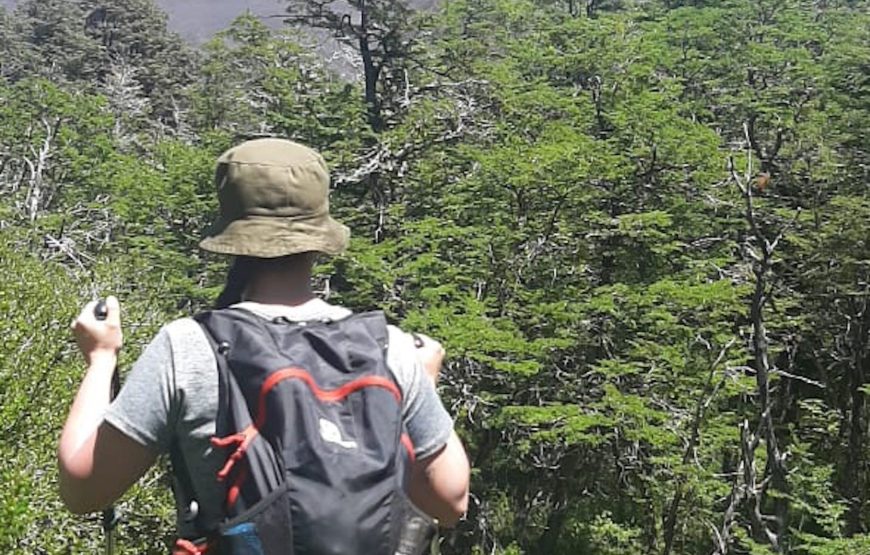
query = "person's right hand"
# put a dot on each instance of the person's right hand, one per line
(431, 354)
(99, 339)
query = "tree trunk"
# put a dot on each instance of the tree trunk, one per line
(856, 465)
(371, 72)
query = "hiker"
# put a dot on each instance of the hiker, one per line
(274, 219)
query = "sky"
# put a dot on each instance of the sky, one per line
(197, 20)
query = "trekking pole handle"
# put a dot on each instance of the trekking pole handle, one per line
(101, 312)
(110, 515)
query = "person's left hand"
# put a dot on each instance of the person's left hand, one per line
(431, 353)
(99, 339)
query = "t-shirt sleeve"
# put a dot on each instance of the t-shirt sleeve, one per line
(144, 408)
(427, 421)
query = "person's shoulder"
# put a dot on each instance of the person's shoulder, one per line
(402, 356)
(181, 327)
(399, 338)
(189, 346)
(184, 334)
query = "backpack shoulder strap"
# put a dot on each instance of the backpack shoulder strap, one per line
(186, 494)
(233, 414)
(375, 322)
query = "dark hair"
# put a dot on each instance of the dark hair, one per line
(243, 269)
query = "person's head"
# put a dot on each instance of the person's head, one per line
(274, 212)
(292, 272)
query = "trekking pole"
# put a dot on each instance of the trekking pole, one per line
(110, 516)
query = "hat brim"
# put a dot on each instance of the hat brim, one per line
(271, 236)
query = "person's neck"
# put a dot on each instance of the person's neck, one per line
(278, 289)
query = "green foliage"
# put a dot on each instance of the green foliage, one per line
(122, 47)
(543, 186)
(40, 370)
(254, 82)
(812, 545)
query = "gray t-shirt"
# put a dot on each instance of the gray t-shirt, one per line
(171, 394)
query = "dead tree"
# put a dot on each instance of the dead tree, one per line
(39, 191)
(130, 107)
(750, 484)
(381, 32)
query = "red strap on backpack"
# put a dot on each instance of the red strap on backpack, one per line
(187, 547)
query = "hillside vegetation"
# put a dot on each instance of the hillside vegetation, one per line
(639, 227)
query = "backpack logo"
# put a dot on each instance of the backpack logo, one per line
(330, 432)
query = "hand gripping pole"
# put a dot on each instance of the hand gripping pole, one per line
(110, 516)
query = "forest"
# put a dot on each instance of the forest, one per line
(640, 228)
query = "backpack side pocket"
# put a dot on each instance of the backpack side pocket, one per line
(418, 530)
(264, 529)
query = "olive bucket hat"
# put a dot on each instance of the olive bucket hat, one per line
(274, 201)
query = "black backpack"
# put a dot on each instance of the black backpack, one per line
(317, 455)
